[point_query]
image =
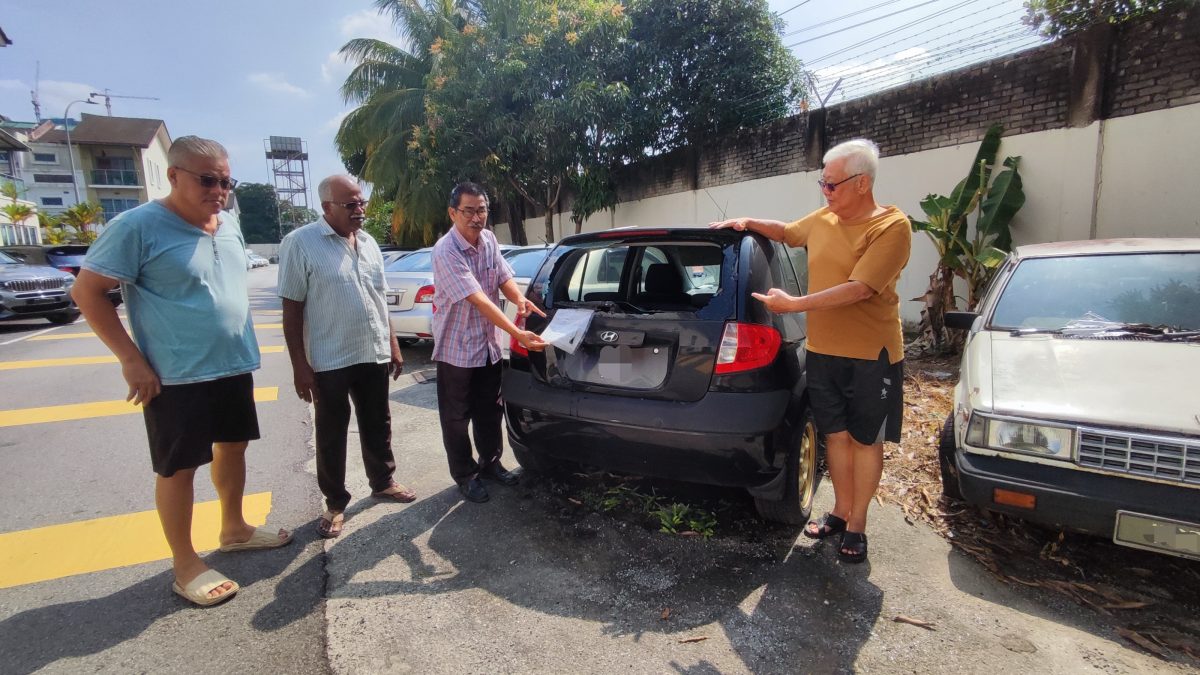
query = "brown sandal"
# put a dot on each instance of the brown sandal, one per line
(397, 493)
(330, 525)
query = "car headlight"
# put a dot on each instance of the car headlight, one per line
(1021, 436)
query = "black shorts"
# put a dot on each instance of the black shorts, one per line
(863, 397)
(185, 420)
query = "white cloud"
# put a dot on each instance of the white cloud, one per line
(335, 122)
(367, 23)
(884, 72)
(276, 83)
(334, 68)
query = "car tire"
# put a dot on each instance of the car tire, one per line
(946, 449)
(802, 475)
(408, 342)
(62, 318)
(536, 462)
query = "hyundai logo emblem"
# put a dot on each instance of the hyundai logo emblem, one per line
(609, 336)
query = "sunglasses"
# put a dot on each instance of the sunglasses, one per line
(207, 181)
(830, 187)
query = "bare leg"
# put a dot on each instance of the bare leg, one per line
(841, 457)
(173, 499)
(229, 478)
(868, 469)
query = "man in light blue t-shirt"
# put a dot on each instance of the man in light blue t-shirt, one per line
(181, 263)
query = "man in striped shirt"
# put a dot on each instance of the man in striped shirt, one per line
(335, 322)
(468, 274)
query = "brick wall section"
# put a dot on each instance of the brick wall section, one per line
(1155, 65)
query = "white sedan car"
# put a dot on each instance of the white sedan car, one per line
(1077, 403)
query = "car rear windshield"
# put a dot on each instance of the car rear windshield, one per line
(639, 276)
(420, 261)
(1158, 289)
(525, 263)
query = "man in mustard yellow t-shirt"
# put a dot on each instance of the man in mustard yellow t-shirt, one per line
(856, 251)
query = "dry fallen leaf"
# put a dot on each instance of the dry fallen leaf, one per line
(692, 639)
(574, 501)
(900, 618)
(666, 614)
(1141, 641)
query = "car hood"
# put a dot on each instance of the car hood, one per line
(1136, 384)
(14, 272)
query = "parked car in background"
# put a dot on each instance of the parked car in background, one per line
(254, 260)
(410, 296)
(1077, 405)
(672, 378)
(35, 291)
(390, 257)
(66, 257)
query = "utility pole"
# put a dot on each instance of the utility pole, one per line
(108, 97)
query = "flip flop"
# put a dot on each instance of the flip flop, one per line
(197, 590)
(827, 526)
(262, 538)
(330, 525)
(396, 492)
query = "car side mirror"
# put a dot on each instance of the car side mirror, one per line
(960, 320)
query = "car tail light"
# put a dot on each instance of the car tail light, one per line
(424, 294)
(746, 346)
(514, 345)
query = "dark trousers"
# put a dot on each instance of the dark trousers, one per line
(367, 385)
(470, 396)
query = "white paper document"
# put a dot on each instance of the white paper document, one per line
(567, 328)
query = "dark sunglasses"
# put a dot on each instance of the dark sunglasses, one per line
(830, 187)
(207, 181)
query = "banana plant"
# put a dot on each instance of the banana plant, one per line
(971, 252)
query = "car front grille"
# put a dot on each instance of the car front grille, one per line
(1141, 455)
(27, 285)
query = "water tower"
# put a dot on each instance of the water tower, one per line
(287, 158)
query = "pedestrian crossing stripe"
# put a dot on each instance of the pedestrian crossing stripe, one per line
(82, 411)
(92, 360)
(88, 334)
(56, 551)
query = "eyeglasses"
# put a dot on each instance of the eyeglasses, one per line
(207, 181)
(826, 186)
(471, 213)
(350, 206)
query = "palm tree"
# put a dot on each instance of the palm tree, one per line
(81, 217)
(377, 140)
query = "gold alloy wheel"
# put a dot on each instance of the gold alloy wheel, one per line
(806, 473)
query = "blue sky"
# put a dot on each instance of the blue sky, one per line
(240, 72)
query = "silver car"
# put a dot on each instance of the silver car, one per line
(35, 291)
(525, 261)
(410, 296)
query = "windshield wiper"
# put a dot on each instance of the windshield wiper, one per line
(1022, 332)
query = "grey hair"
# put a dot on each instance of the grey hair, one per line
(861, 155)
(325, 187)
(186, 147)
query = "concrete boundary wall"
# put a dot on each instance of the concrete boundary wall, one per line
(1106, 126)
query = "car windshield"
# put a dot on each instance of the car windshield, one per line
(1154, 289)
(6, 259)
(419, 261)
(525, 263)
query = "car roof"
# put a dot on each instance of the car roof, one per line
(1107, 247)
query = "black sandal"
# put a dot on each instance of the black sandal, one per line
(854, 547)
(827, 526)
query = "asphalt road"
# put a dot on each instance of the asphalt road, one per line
(525, 583)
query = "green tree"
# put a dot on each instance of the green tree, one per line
(82, 219)
(1056, 18)
(378, 140)
(704, 68)
(258, 212)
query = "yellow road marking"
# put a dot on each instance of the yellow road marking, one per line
(90, 360)
(65, 550)
(75, 336)
(82, 411)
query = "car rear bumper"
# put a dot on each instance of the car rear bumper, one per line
(723, 439)
(413, 323)
(1068, 497)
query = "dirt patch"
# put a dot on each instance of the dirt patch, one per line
(1151, 600)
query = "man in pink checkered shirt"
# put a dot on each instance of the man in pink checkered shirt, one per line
(468, 275)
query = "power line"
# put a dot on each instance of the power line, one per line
(893, 31)
(861, 24)
(939, 59)
(796, 6)
(840, 18)
(853, 70)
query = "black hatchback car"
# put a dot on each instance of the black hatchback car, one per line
(680, 374)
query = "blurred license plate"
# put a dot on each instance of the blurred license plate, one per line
(1163, 535)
